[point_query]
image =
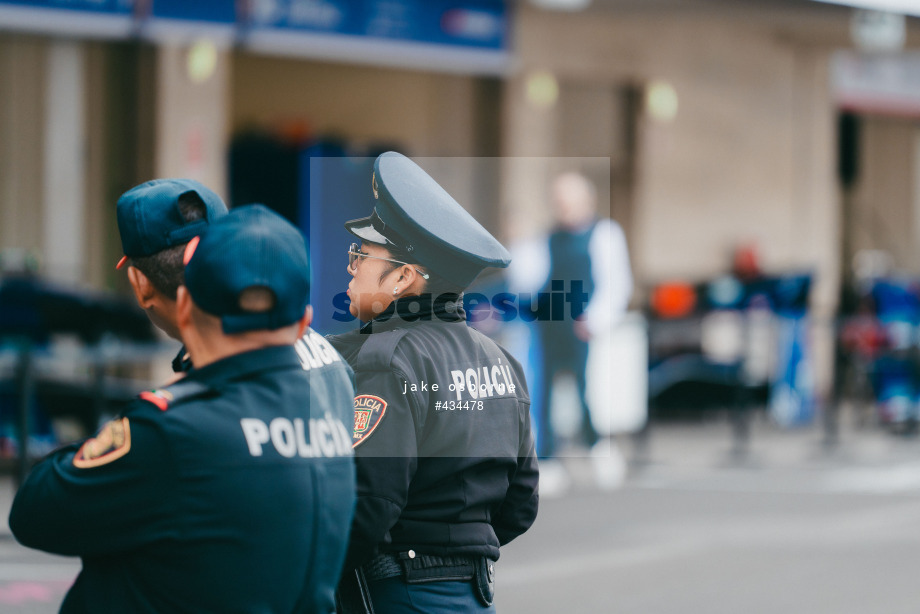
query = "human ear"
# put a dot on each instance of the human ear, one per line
(183, 308)
(144, 291)
(305, 321)
(408, 274)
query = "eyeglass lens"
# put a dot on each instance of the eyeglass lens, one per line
(352, 255)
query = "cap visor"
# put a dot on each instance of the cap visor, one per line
(364, 230)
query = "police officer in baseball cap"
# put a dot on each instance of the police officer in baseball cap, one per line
(233, 489)
(444, 452)
(156, 220)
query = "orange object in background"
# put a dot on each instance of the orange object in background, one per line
(294, 132)
(746, 262)
(673, 300)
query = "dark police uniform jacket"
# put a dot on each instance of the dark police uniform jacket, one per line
(225, 492)
(446, 471)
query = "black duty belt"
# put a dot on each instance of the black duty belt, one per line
(418, 568)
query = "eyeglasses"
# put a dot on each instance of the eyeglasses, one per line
(354, 254)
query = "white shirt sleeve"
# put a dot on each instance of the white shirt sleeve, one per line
(611, 275)
(529, 265)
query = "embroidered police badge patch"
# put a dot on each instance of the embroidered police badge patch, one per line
(111, 443)
(369, 411)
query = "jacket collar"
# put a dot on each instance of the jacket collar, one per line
(270, 358)
(410, 310)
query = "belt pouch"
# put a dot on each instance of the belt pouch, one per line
(485, 581)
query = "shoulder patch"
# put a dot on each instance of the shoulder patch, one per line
(111, 443)
(160, 398)
(369, 410)
(183, 390)
(378, 350)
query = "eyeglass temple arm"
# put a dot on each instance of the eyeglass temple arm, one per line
(424, 275)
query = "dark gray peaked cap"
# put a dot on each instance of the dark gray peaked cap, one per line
(415, 215)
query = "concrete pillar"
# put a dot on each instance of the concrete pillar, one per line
(817, 222)
(22, 101)
(529, 142)
(64, 186)
(99, 220)
(816, 227)
(450, 138)
(192, 119)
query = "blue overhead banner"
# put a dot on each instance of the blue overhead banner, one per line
(96, 6)
(467, 36)
(183, 21)
(480, 24)
(91, 18)
(208, 11)
(470, 36)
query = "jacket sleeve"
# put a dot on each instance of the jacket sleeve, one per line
(385, 460)
(519, 509)
(104, 495)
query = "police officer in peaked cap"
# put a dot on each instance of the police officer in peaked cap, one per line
(446, 470)
(233, 489)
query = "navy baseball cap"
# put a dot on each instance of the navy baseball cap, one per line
(250, 247)
(149, 219)
(413, 214)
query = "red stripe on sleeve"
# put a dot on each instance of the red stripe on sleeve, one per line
(160, 402)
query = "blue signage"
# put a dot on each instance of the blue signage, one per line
(118, 7)
(464, 35)
(217, 12)
(90, 18)
(470, 23)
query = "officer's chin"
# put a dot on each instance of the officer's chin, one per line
(164, 324)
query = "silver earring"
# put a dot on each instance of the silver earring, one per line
(395, 290)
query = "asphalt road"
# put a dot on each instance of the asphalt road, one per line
(716, 552)
(789, 531)
(32, 582)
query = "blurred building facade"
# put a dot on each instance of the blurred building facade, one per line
(720, 121)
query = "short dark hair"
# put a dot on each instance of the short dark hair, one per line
(437, 285)
(165, 269)
(434, 285)
(389, 268)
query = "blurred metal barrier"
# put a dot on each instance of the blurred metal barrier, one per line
(860, 371)
(733, 362)
(877, 370)
(57, 343)
(69, 385)
(25, 385)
